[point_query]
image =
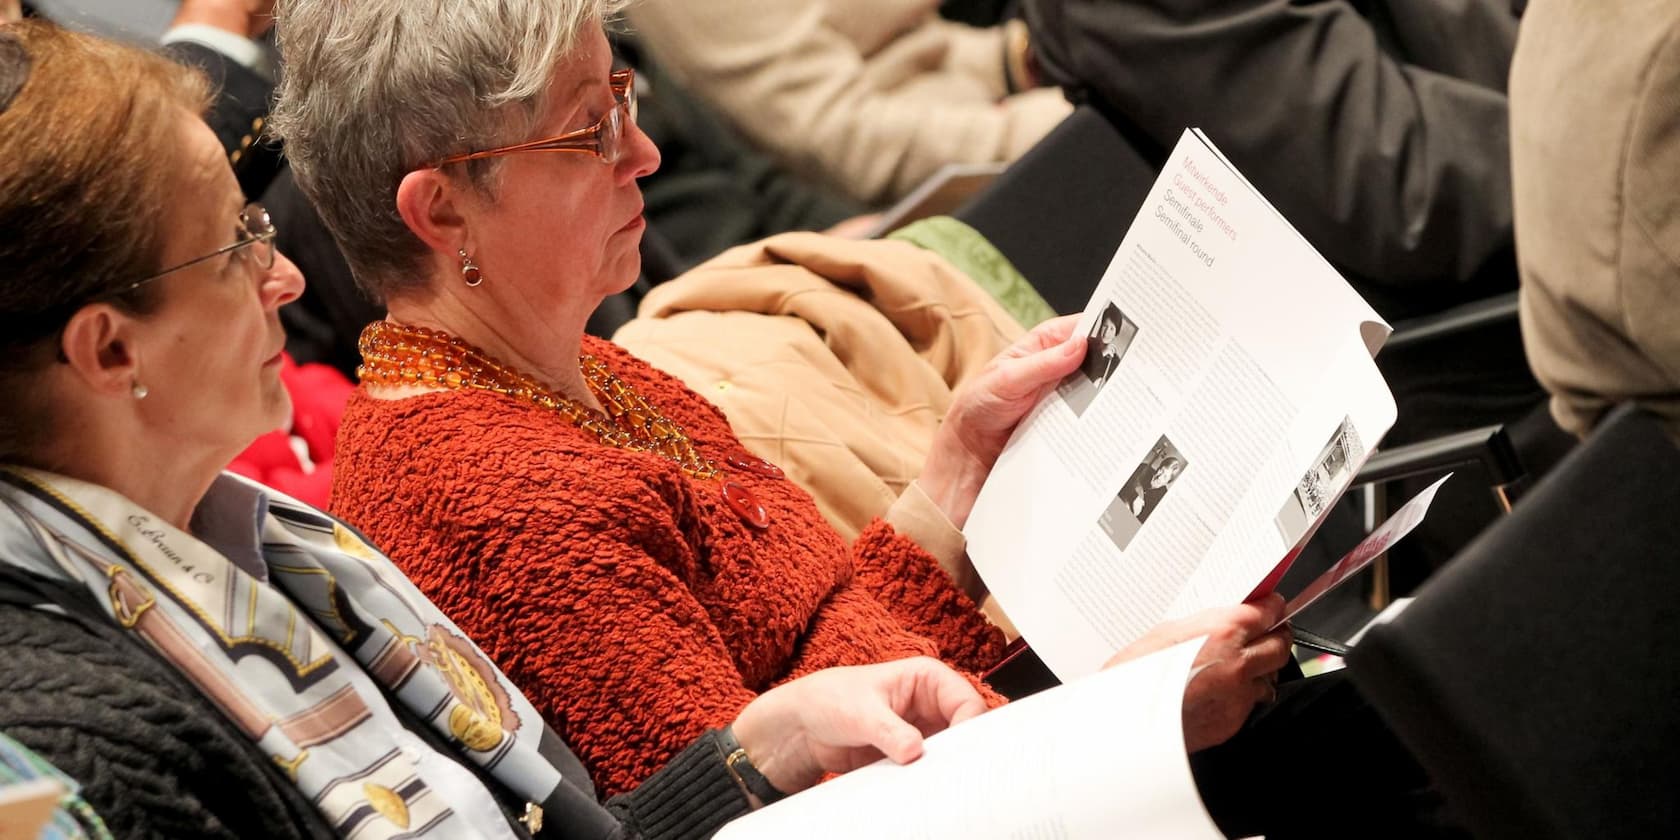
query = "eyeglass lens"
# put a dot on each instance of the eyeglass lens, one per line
(258, 227)
(612, 133)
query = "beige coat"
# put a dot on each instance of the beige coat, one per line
(1595, 150)
(834, 358)
(869, 96)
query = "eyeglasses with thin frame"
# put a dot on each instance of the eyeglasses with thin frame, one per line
(604, 139)
(255, 231)
(253, 237)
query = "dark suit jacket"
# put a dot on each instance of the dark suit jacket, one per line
(1378, 128)
(237, 114)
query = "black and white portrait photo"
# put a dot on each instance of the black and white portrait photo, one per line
(1143, 492)
(1330, 472)
(1110, 337)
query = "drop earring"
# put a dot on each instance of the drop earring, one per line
(469, 270)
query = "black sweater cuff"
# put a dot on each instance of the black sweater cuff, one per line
(692, 796)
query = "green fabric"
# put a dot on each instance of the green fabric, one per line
(990, 269)
(75, 819)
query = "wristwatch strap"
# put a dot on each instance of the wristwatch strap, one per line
(740, 766)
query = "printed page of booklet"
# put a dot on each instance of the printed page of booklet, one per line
(1099, 758)
(1378, 541)
(1227, 397)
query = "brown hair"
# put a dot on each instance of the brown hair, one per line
(88, 153)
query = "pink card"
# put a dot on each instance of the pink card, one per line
(1385, 535)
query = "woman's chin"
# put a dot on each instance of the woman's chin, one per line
(625, 273)
(279, 413)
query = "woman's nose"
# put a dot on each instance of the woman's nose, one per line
(643, 157)
(282, 281)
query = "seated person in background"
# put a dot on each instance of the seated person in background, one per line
(1377, 128)
(868, 96)
(1596, 163)
(212, 660)
(222, 39)
(594, 524)
(713, 191)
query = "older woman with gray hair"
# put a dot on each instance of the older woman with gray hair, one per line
(593, 523)
(209, 658)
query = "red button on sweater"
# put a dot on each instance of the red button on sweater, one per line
(632, 605)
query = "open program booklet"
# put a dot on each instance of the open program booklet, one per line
(1097, 759)
(1227, 397)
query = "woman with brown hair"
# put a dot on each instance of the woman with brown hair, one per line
(210, 658)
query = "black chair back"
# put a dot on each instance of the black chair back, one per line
(1537, 675)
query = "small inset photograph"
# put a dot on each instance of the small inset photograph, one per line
(1331, 471)
(1142, 493)
(1111, 336)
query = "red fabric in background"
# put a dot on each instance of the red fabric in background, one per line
(319, 394)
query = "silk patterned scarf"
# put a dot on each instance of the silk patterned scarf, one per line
(297, 661)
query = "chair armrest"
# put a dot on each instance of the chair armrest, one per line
(1479, 314)
(1488, 446)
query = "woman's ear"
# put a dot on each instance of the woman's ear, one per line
(430, 204)
(99, 345)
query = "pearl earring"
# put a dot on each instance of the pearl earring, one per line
(138, 390)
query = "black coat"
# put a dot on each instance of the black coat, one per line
(1377, 128)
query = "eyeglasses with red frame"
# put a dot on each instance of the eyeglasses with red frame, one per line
(604, 139)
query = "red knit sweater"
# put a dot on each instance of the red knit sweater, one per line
(634, 607)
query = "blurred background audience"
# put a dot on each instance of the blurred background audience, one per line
(869, 97)
(1596, 158)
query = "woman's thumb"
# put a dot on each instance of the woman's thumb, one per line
(897, 739)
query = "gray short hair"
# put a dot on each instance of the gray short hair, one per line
(375, 88)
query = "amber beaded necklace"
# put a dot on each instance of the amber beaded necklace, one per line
(399, 355)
